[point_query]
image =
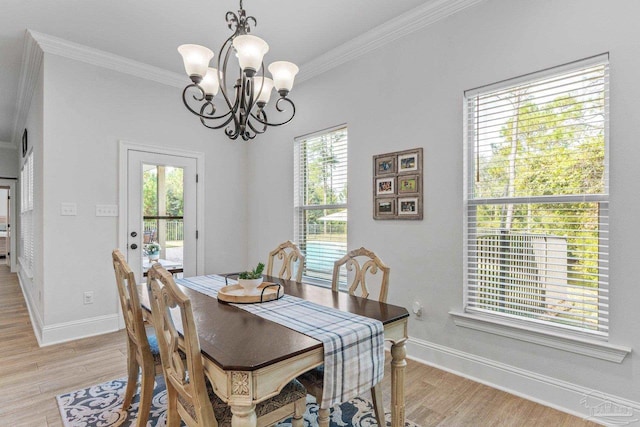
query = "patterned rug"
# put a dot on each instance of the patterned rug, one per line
(99, 406)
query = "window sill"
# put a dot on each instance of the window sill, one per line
(578, 345)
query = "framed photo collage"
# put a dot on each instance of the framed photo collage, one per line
(397, 185)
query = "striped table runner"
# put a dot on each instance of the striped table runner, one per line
(353, 345)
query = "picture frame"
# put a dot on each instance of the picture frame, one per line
(385, 206)
(385, 186)
(408, 206)
(25, 143)
(408, 184)
(385, 165)
(397, 185)
(408, 162)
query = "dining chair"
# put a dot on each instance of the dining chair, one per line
(143, 354)
(362, 263)
(290, 255)
(190, 396)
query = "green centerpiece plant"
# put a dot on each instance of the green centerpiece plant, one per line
(250, 280)
(252, 274)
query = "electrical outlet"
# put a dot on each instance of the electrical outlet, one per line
(417, 309)
(88, 297)
(106, 210)
(68, 209)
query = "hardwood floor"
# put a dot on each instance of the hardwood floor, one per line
(31, 377)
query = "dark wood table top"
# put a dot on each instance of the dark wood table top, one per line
(235, 339)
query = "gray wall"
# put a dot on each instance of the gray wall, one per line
(77, 161)
(8, 163)
(410, 94)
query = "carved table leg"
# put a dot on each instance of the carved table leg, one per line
(243, 416)
(398, 365)
(241, 402)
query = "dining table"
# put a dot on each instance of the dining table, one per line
(248, 359)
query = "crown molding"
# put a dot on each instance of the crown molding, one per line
(401, 26)
(36, 44)
(100, 58)
(9, 145)
(30, 70)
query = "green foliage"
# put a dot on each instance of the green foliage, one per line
(544, 149)
(253, 274)
(324, 160)
(173, 192)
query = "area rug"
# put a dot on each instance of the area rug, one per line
(99, 406)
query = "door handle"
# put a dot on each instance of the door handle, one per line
(134, 234)
(133, 246)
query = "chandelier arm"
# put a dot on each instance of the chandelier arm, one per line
(223, 83)
(231, 19)
(264, 127)
(233, 134)
(250, 18)
(293, 113)
(249, 91)
(200, 114)
(204, 117)
(204, 123)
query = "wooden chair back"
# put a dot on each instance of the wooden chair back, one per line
(290, 256)
(186, 386)
(130, 302)
(370, 266)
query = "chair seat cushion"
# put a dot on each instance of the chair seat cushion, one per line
(155, 350)
(290, 393)
(313, 378)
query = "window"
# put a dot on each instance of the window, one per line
(536, 201)
(320, 199)
(26, 253)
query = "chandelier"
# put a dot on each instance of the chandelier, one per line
(243, 110)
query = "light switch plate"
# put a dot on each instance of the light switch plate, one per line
(106, 210)
(68, 209)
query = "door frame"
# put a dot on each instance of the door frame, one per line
(13, 220)
(124, 148)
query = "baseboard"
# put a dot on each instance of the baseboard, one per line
(34, 315)
(77, 329)
(567, 397)
(67, 331)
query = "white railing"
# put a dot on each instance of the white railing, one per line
(174, 229)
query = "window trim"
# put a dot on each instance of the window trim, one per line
(583, 345)
(576, 341)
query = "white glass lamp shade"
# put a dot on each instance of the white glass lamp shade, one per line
(267, 86)
(196, 59)
(283, 74)
(210, 83)
(250, 50)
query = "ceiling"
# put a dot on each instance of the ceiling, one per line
(149, 31)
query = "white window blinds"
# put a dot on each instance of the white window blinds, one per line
(537, 221)
(320, 199)
(26, 216)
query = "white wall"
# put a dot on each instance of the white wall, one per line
(8, 163)
(410, 94)
(3, 203)
(87, 111)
